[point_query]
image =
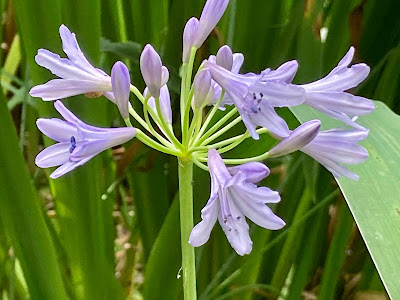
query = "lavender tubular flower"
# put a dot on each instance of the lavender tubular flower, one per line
(334, 147)
(121, 84)
(210, 16)
(328, 94)
(203, 91)
(165, 104)
(237, 62)
(255, 98)
(234, 197)
(224, 57)
(189, 34)
(155, 75)
(77, 75)
(77, 141)
(297, 139)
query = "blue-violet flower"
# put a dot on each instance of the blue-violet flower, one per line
(77, 75)
(334, 147)
(234, 196)
(77, 141)
(255, 98)
(328, 94)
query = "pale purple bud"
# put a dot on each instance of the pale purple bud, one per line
(151, 68)
(212, 13)
(224, 57)
(297, 139)
(120, 82)
(202, 89)
(164, 76)
(253, 171)
(189, 33)
(165, 103)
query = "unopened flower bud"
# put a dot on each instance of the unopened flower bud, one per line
(151, 68)
(254, 171)
(189, 33)
(297, 139)
(225, 57)
(165, 103)
(212, 13)
(121, 84)
(202, 89)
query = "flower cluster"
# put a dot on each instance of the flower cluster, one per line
(217, 84)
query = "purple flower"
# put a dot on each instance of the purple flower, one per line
(328, 94)
(77, 75)
(77, 141)
(189, 34)
(255, 97)
(224, 58)
(297, 139)
(210, 16)
(165, 103)
(237, 62)
(234, 196)
(334, 147)
(155, 75)
(203, 90)
(121, 85)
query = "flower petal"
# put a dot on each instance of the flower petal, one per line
(253, 171)
(285, 73)
(201, 232)
(250, 200)
(57, 129)
(61, 67)
(297, 139)
(238, 235)
(339, 151)
(278, 94)
(53, 155)
(74, 53)
(69, 166)
(332, 166)
(340, 80)
(63, 88)
(267, 117)
(340, 102)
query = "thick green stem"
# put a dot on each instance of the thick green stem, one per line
(186, 218)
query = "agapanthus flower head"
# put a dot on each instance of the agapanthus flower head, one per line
(77, 141)
(189, 34)
(255, 98)
(334, 147)
(210, 16)
(121, 84)
(297, 139)
(155, 75)
(329, 96)
(165, 103)
(233, 198)
(77, 75)
(203, 90)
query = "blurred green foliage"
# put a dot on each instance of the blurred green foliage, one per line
(110, 230)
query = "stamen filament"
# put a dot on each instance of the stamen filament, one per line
(221, 131)
(208, 118)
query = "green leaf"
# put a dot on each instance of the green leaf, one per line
(374, 199)
(163, 267)
(23, 218)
